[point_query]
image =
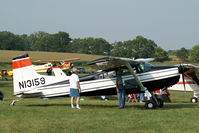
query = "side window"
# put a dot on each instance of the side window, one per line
(111, 74)
(125, 72)
(107, 75)
(145, 66)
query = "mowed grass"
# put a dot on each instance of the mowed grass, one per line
(8, 55)
(96, 116)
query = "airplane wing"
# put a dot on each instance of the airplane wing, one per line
(111, 63)
(55, 61)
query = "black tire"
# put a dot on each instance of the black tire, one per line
(150, 105)
(194, 100)
(160, 103)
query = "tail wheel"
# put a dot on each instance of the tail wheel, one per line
(13, 103)
(194, 100)
(150, 105)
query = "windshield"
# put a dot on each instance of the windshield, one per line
(145, 66)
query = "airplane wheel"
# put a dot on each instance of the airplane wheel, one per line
(161, 103)
(194, 100)
(150, 105)
(12, 103)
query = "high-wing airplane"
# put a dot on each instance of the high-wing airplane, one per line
(189, 81)
(143, 77)
(63, 64)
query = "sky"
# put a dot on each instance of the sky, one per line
(171, 24)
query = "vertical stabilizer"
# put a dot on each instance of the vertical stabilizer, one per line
(24, 76)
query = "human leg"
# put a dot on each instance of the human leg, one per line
(119, 98)
(72, 102)
(77, 102)
(123, 94)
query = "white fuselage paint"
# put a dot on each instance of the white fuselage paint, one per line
(58, 85)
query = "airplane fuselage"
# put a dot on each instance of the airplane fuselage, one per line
(99, 83)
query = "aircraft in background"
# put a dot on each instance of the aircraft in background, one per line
(189, 81)
(139, 77)
(4, 73)
(63, 64)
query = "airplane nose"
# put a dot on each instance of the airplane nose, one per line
(182, 69)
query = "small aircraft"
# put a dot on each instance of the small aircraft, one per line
(189, 81)
(5, 73)
(140, 77)
(63, 64)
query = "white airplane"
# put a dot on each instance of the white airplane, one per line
(143, 77)
(63, 64)
(189, 81)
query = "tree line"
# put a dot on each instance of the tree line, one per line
(140, 47)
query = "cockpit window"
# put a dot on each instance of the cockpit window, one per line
(145, 66)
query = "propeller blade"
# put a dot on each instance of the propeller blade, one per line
(183, 80)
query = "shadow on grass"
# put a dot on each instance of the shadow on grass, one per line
(167, 106)
(46, 105)
(84, 105)
(170, 106)
(100, 106)
(180, 106)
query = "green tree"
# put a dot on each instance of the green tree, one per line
(10, 41)
(91, 45)
(34, 38)
(50, 42)
(27, 45)
(182, 54)
(140, 47)
(194, 54)
(160, 54)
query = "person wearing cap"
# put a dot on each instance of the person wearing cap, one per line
(75, 88)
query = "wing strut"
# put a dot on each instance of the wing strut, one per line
(147, 93)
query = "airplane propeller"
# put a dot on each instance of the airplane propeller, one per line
(183, 80)
(182, 69)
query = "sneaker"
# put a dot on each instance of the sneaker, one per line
(78, 108)
(72, 107)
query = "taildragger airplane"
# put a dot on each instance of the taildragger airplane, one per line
(140, 77)
(63, 64)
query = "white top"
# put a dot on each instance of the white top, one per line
(73, 81)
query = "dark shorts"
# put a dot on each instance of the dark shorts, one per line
(74, 92)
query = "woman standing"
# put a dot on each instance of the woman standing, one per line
(75, 88)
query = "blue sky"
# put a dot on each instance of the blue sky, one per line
(172, 24)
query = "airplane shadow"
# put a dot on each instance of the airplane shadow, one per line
(84, 105)
(46, 105)
(169, 106)
(180, 106)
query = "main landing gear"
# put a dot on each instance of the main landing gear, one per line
(154, 102)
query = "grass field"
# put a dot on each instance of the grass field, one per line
(7, 55)
(96, 116)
